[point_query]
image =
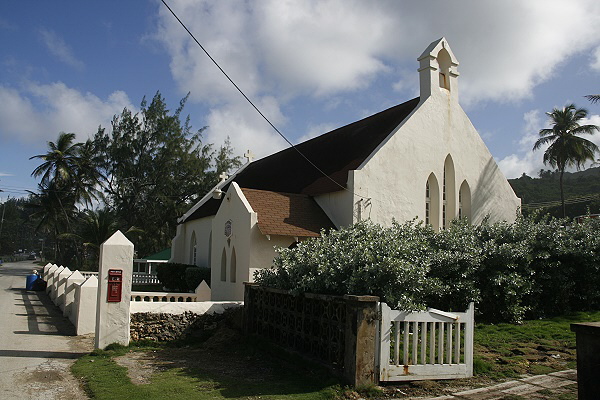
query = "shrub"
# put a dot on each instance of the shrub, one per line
(535, 267)
(195, 275)
(172, 276)
(364, 259)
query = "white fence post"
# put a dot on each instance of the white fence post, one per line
(202, 292)
(50, 278)
(61, 284)
(72, 281)
(55, 274)
(86, 296)
(112, 317)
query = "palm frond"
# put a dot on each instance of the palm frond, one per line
(594, 98)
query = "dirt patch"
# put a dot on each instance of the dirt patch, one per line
(140, 366)
(50, 380)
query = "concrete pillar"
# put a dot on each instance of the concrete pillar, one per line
(361, 337)
(587, 337)
(61, 285)
(57, 272)
(86, 296)
(45, 271)
(50, 277)
(202, 292)
(112, 318)
(74, 280)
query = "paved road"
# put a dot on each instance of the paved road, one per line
(37, 344)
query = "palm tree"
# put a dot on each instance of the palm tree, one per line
(60, 162)
(567, 148)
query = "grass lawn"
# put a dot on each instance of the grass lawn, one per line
(535, 347)
(226, 366)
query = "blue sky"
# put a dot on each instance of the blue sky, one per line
(310, 66)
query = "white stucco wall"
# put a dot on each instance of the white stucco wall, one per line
(338, 205)
(201, 228)
(396, 175)
(234, 208)
(391, 183)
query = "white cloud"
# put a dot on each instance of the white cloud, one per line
(246, 129)
(316, 130)
(282, 49)
(324, 47)
(59, 48)
(596, 59)
(5, 174)
(40, 111)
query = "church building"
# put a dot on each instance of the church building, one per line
(422, 158)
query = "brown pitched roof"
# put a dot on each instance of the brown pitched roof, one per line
(287, 214)
(335, 153)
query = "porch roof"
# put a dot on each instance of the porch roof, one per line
(287, 214)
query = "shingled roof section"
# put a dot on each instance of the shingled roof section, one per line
(287, 214)
(335, 153)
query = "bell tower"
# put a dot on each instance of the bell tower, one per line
(438, 73)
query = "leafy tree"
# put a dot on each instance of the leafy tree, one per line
(567, 148)
(55, 211)
(153, 167)
(17, 231)
(94, 227)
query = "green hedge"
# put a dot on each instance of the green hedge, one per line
(532, 268)
(182, 277)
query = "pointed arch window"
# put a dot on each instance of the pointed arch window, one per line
(193, 249)
(223, 266)
(210, 249)
(464, 201)
(427, 204)
(432, 202)
(233, 267)
(449, 195)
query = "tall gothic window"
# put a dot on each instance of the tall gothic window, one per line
(193, 249)
(233, 266)
(444, 202)
(427, 204)
(223, 266)
(432, 202)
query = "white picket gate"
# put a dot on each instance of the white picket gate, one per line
(431, 344)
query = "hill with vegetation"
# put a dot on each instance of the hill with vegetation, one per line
(582, 192)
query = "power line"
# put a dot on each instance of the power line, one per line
(254, 106)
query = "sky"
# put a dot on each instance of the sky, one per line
(310, 66)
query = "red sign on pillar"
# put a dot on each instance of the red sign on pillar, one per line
(115, 285)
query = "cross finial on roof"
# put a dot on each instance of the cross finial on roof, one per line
(223, 176)
(249, 155)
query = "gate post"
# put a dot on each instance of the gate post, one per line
(112, 305)
(361, 339)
